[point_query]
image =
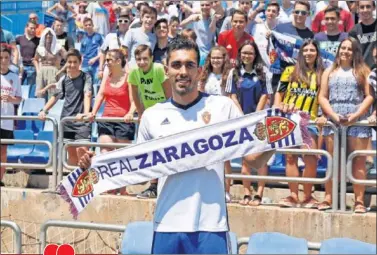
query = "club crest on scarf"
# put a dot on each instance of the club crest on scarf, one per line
(84, 184)
(275, 129)
(206, 116)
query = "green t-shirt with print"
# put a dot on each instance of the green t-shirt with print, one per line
(149, 84)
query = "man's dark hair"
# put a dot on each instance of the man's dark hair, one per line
(174, 19)
(141, 48)
(150, 10)
(58, 19)
(182, 44)
(274, 4)
(5, 48)
(74, 53)
(333, 9)
(161, 21)
(239, 12)
(373, 3)
(305, 3)
(30, 23)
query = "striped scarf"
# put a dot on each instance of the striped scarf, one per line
(253, 133)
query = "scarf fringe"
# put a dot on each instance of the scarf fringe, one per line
(64, 194)
(304, 122)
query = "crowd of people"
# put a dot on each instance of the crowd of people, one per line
(116, 56)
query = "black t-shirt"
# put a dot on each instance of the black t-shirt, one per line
(65, 41)
(367, 36)
(27, 49)
(333, 38)
(305, 33)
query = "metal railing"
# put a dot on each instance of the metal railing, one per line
(245, 241)
(62, 148)
(332, 166)
(346, 163)
(17, 234)
(53, 155)
(76, 225)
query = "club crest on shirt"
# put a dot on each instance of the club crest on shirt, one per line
(206, 117)
(84, 184)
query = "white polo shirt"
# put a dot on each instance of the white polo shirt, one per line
(194, 200)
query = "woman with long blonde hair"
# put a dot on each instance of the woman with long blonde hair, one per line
(345, 97)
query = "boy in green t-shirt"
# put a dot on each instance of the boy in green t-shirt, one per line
(149, 86)
(148, 80)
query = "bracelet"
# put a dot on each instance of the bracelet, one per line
(46, 112)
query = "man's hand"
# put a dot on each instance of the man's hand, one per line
(42, 115)
(5, 98)
(196, 17)
(100, 75)
(86, 160)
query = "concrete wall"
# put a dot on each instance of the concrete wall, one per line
(29, 208)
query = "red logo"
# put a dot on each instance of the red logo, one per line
(278, 128)
(273, 56)
(84, 184)
(54, 249)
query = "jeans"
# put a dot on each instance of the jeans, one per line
(92, 70)
(29, 75)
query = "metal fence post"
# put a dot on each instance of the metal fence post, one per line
(17, 234)
(343, 159)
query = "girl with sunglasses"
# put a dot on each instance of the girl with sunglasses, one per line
(115, 92)
(246, 85)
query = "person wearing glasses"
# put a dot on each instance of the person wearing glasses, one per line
(116, 93)
(33, 17)
(113, 41)
(297, 27)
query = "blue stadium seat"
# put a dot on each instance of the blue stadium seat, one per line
(40, 153)
(276, 243)
(322, 167)
(346, 246)
(278, 165)
(138, 238)
(15, 151)
(94, 135)
(25, 91)
(233, 243)
(55, 112)
(236, 164)
(31, 107)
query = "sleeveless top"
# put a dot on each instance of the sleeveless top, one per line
(61, 13)
(345, 97)
(117, 100)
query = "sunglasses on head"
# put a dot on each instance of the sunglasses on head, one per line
(123, 21)
(299, 12)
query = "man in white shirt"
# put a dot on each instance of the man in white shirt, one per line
(191, 214)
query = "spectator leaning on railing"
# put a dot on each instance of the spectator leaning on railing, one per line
(298, 90)
(10, 95)
(76, 88)
(117, 96)
(345, 97)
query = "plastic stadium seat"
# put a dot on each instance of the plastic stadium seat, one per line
(236, 164)
(346, 246)
(276, 243)
(15, 151)
(138, 238)
(278, 165)
(31, 107)
(55, 112)
(25, 91)
(233, 243)
(40, 153)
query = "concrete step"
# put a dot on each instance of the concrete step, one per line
(272, 194)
